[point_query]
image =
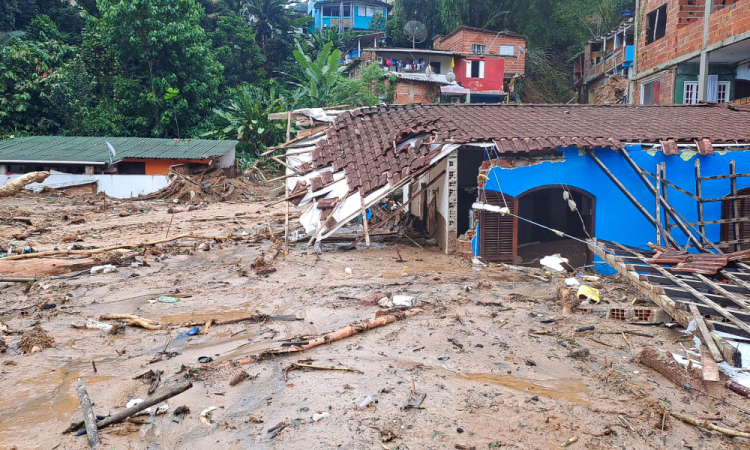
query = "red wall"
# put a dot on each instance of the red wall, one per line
(494, 70)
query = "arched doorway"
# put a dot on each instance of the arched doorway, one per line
(510, 240)
(546, 205)
(728, 236)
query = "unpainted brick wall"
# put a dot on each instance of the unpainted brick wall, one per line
(461, 42)
(684, 32)
(666, 80)
(410, 92)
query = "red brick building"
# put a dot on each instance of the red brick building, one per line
(467, 65)
(691, 50)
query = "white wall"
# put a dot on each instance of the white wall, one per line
(228, 159)
(117, 186)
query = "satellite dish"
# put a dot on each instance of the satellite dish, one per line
(450, 76)
(416, 31)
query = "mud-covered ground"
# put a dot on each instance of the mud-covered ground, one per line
(488, 380)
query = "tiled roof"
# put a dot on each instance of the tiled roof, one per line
(94, 149)
(362, 142)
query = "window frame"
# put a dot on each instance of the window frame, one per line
(694, 97)
(653, 19)
(505, 47)
(474, 48)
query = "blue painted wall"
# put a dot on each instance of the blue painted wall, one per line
(360, 23)
(617, 219)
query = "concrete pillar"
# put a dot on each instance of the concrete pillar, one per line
(703, 71)
(3, 169)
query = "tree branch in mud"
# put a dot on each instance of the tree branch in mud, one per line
(331, 337)
(133, 320)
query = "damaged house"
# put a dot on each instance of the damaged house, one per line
(564, 173)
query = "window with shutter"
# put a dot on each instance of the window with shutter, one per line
(481, 69)
(727, 229)
(469, 65)
(498, 234)
(691, 93)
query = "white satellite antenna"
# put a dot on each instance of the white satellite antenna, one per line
(112, 152)
(416, 31)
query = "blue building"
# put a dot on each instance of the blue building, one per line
(346, 15)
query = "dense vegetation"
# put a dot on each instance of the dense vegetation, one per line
(191, 68)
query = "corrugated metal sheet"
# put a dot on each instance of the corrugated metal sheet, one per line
(94, 149)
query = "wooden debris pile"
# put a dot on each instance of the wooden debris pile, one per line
(208, 184)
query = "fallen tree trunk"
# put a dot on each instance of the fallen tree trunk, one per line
(104, 249)
(671, 369)
(12, 188)
(89, 418)
(709, 426)
(43, 267)
(335, 336)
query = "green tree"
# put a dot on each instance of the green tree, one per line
(377, 22)
(372, 87)
(235, 48)
(321, 75)
(160, 45)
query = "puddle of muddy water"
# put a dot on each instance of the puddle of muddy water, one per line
(555, 389)
(33, 402)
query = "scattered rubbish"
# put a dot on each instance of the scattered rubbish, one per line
(35, 341)
(205, 416)
(572, 282)
(709, 426)
(108, 268)
(399, 300)
(367, 401)
(254, 419)
(275, 430)
(582, 329)
(94, 324)
(163, 409)
(193, 331)
(205, 359)
(166, 299)
(580, 353)
(348, 271)
(204, 247)
(547, 320)
(554, 263)
(415, 398)
(317, 417)
(588, 294)
(239, 378)
(181, 410)
(570, 441)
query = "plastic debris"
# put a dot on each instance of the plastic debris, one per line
(163, 409)
(348, 271)
(205, 417)
(367, 401)
(589, 294)
(572, 283)
(167, 299)
(554, 263)
(96, 325)
(193, 331)
(103, 269)
(398, 300)
(317, 417)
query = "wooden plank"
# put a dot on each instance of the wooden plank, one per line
(719, 289)
(715, 222)
(724, 177)
(678, 293)
(731, 354)
(726, 314)
(665, 194)
(699, 193)
(709, 368)
(735, 207)
(721, 199)
(658, 279)
(364, 218)
(658, 204)
(667, 208)
(630, 196)
(706, 310)
(677, 188)
(706, 336)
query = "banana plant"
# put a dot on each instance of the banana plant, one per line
(321, 74)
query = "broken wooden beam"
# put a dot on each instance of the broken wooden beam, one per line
(149, 402)
(89, 418)
(706, 335)
(669, 368)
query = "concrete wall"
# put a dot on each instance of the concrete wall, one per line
(117, 186)
(616, 217)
